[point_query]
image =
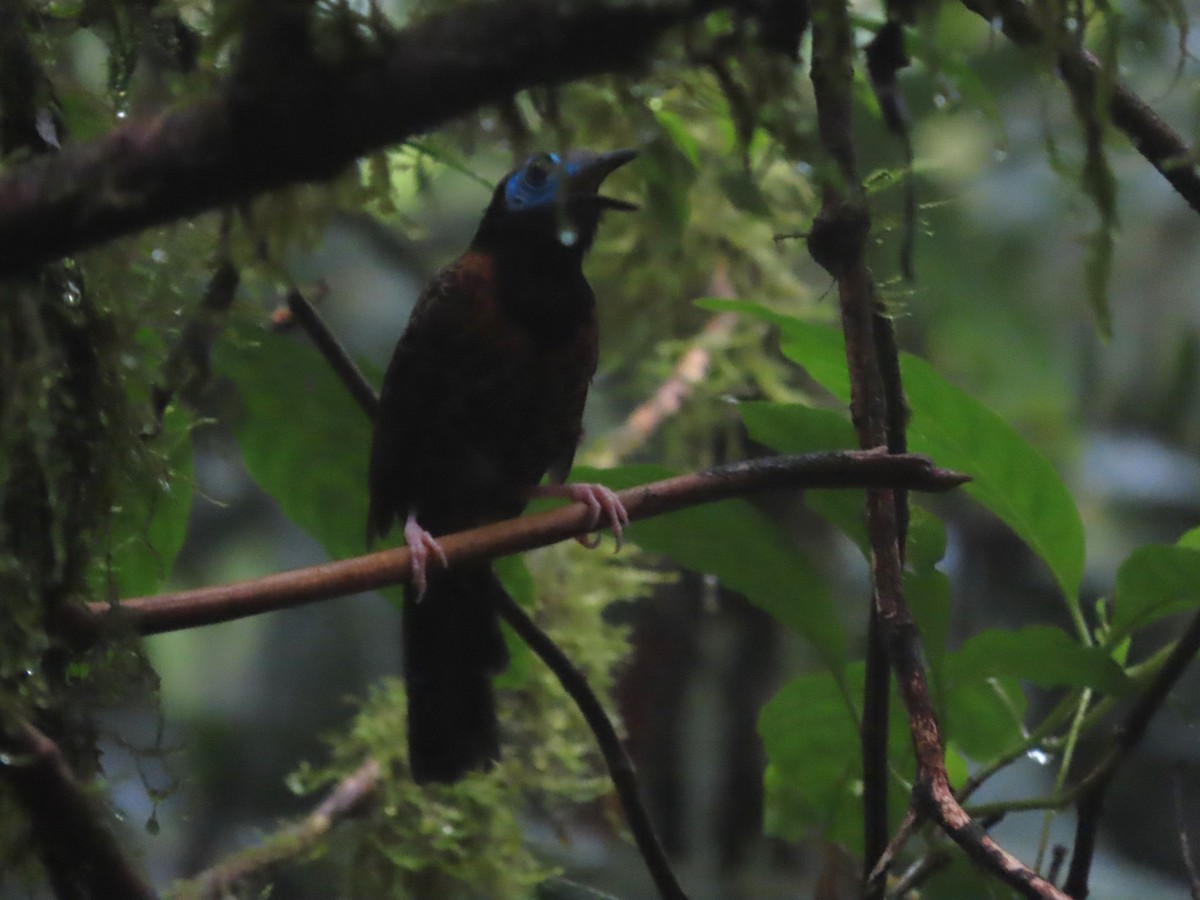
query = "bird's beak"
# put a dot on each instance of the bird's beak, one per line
(586, 170)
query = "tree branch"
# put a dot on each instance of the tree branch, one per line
(837, 243)
(81, 857)
(207, 606)
(1162, 147)
(1129, 733)
(348, 798)
(309, 118)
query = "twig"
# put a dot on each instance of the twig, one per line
(1162, 147)
(836, 243)
(207, 606)
(187, 367)
(1185, 844)
(348, 798)
(668, 398)
(1129, 733)
(346, 369)
(80, 855)
(620, 768)
(269, 129)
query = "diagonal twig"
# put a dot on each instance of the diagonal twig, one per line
(1156, 141)
(1092, 788)
(81, 856)
(349, 798)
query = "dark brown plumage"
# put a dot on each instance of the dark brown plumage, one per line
(483, 397)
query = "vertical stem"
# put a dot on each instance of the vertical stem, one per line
(837, 242)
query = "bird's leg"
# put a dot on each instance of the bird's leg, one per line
(420, 544)
(603, 502)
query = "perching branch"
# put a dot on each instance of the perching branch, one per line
(80, 855)
(223, 603)
(309, 117)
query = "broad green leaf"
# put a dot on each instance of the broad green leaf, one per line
(984, 718)
(150, 517)
(928, 595)
(792, 428)
(732, 540)
(926, 540)
(1010, 477)
(814, 774)
(1043, 654)
(303, 439)
(1191, 539)
(812, 743)
(1155, 582)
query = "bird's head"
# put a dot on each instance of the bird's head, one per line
(552, 197)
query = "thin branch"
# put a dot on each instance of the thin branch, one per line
(305, 315)
(207, 606)
(309, 118)
(620, 767)
(1092, 789)
(1161, 146)
(81, 856)
(1185, 843)
(349, 798)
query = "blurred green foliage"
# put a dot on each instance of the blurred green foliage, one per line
(97, 485)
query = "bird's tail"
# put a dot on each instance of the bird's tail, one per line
(452, 648)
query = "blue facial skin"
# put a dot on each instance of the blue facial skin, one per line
(536, 184)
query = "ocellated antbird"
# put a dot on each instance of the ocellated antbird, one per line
(483, 397)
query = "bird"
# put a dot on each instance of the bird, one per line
(482, 399)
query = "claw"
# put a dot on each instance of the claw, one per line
(420, 544)
(603, 503)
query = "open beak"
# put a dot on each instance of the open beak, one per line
(586, 170)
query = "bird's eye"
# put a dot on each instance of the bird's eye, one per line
(538, 171)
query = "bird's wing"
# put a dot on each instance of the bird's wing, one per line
(441, 388)
(416, 382)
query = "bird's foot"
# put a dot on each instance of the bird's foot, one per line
(420, 544)
(603, 503)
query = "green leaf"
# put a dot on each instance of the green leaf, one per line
(928, 595)
(1043, 654)
(676, 129)
(984, 718)
(150, 518)
(1191, 539)
(1155, 582)
(1010, 477)
(792, 428)
(303, 439)
(814, 777)
(812, 742)
(743, 192)
(734, 541)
